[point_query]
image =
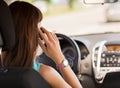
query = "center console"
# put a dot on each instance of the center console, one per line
(104, 61)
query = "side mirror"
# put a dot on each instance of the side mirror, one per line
(99, 1)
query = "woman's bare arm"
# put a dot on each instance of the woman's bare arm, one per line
(52, 77)
(52, 49)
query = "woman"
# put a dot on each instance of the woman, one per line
(28, 37)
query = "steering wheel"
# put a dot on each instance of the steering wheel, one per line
(73, 48)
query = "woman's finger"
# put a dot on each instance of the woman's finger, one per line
(42, 45)
(49, 34)
(55, 36)
(43, 36)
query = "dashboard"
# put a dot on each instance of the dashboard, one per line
(88, 42)
(100, 55)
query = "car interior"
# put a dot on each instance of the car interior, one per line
(94, 58)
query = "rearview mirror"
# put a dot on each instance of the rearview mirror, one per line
(99, 1)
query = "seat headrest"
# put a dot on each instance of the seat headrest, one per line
(7, 33)
(1, 41)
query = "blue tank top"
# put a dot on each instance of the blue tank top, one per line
(36, 65)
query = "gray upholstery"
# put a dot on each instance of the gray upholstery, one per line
(13, 77)
(1, 41)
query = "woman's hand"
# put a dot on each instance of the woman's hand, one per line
(50, 45)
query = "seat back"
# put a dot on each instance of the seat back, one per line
(14, 77)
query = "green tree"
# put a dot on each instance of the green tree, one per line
(71, 3)
(30, 1)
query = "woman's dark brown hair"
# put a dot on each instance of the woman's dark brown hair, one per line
(25, 18)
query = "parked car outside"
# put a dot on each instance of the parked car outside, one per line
(112, 12)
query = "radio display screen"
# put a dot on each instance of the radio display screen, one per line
(110, 59)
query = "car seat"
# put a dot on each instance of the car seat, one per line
(14, 77)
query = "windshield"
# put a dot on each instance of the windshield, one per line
(73, 17)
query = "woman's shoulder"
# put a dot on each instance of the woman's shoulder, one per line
(45, 69)
(36, 65)
(42, 67)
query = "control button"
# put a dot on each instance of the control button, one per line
(99, 77)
